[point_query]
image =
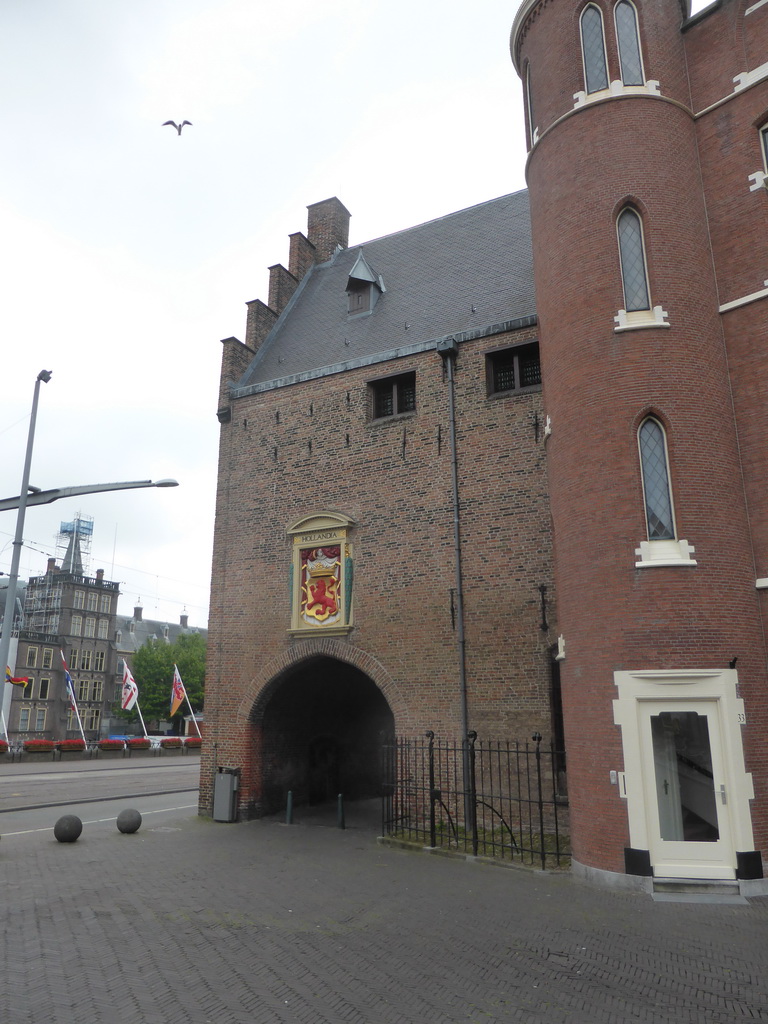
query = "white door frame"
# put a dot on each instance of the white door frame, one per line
(676, 688)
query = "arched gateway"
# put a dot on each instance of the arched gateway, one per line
(318, 729)
(311, 722)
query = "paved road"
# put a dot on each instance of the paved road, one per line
(49, 783)
(190, 920)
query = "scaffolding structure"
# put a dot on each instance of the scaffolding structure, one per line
(42, 600)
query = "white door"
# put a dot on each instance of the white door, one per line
(686, 789)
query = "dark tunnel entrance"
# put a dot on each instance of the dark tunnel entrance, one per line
(321, 734)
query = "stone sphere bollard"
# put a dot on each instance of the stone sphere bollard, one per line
(128, 821)
(68, 828)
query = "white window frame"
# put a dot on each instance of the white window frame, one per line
(90, 627)
(76, 627)
(533, 132)
(651, 316)
(673, 551)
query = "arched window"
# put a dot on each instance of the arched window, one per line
(593, 49)
(634, 275)
(529, 102)
(629, 43)
(656, 490)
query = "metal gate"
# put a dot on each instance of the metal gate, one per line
(500, 799)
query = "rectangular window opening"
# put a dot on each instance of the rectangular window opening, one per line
(513, 369)
(393, 396)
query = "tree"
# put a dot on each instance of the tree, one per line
(152, 667)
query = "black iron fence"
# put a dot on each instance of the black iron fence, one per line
(504, 800)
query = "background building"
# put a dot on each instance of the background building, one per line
(66, 611)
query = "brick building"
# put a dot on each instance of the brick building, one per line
(65, 611)
(365, 579)
(338, 610)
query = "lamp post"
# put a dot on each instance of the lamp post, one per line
(13, 578)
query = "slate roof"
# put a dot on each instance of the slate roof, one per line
(134, 633)
(461, 274)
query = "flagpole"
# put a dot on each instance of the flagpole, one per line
(5, 727)
(177, 675)
(77, 715)
(194, 719)
(70, 684)
(79, 721)
(141, 718)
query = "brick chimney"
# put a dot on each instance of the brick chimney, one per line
(302, 256)
(51, 566)
(184, 620)
(137, 612)
(282, 285)
(328, 227)
(99, 575)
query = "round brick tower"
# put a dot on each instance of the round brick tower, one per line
(661, 643)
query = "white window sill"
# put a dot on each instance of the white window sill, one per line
(664, 552)
(641, 319)
(617, 88)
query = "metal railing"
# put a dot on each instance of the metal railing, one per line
(512, 805)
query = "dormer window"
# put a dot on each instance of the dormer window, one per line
(364, 287)
(358, 297)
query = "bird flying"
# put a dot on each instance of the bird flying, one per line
(178, 127)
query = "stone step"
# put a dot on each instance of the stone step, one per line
(697, 890)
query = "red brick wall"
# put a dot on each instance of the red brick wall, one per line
(599, 385)
(295, 450)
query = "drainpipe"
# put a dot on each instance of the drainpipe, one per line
(448, 350)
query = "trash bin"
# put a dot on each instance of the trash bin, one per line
(225, 787)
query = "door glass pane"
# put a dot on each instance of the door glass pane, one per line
(685, 786)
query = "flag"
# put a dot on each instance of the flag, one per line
(178, 693)
(16, 680)
(130, 689)
(70, 684)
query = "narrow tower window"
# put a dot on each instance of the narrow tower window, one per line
(656, 490)
(529, 104)
(634, 275)
(629, 43)
(764, 143)
(593, 49)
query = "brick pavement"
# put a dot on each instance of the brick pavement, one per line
(203, 922)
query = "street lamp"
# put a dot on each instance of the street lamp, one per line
(10, 594)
